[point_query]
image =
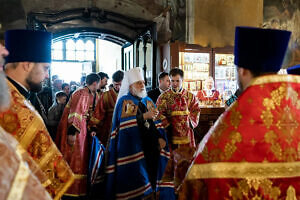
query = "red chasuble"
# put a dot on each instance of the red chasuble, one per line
(102, 117)
(180, 110)
(253, 150)
(20, 176)
(23, 122)
(77, 114)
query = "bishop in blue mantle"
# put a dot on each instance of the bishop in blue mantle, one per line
(138, 150)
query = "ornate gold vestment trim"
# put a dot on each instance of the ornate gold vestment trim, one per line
(244, 170)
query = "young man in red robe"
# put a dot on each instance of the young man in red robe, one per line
(179, 111)
(102, 117)
(253, 152)
(73, 134)
(103, 83)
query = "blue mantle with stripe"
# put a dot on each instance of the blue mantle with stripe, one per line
(96, 160)
(126, 174)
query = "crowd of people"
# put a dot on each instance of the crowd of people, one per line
(87, 142)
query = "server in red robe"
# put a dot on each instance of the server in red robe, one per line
(102, 117)
(73, 134)
(102, 86)
(179, 111)
(252, 152)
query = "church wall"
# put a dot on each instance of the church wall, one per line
(215, 20)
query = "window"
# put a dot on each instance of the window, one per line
(89, 50)
(64, 69)
(57, 51)
(128, 57)
(74, 50)
(73, 58)
(70, 50)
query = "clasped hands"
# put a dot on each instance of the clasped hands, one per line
(151, 114)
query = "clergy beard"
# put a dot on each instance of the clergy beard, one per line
(33, 87)
(4, 93)
(141, 94)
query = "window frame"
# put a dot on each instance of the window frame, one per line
(64, 50)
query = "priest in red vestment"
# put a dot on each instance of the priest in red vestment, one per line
(102, 117)
(209, 93)
(21, 177)
(73, 134)
(253, 150)
(26, 68)
(179, 111)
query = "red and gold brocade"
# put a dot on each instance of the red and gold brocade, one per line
(102, 117)
(180, 110)
(77, 114)
(23, 122)
(253, 150)
(20, 176)
(178, 165)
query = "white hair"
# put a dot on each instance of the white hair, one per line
(210, 78)
(141, 94)
(131, 76)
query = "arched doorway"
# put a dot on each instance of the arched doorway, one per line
(80, 53)
(136, 37)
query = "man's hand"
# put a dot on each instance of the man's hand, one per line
(93, 133)
(162, 143)
(151, 114)
(71, 139)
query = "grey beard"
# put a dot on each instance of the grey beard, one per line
(4, 93)
(141, 94)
